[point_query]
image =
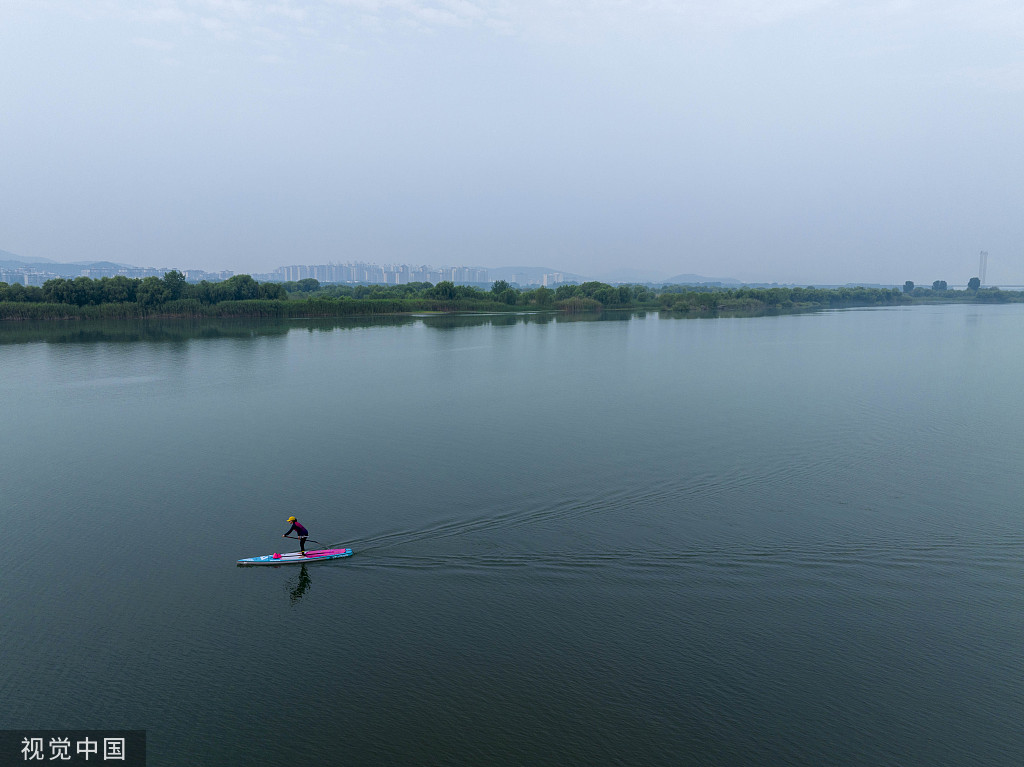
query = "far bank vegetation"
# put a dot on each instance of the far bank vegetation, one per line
(242, 296)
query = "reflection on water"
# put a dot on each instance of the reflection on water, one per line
(159, 330)
(162, 330)
(451, 321)
(719, 314)
(299, 585)
(127, 331)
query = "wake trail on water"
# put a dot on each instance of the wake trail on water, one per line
(390, 549)
(838, 557)
(447, 528)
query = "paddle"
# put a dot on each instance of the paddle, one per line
(308, 539)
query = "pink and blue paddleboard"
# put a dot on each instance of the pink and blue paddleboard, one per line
(294, 557)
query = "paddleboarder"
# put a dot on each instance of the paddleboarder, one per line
(300, 531)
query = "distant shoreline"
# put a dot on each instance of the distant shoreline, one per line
(242, 297)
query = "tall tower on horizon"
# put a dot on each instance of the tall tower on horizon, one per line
(982, 266)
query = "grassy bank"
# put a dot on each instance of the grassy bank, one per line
(83, 299)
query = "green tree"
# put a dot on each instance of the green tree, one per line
(151, 292)
(908, 287)
(445, 290)
(58, 291)
(273, 291)
(588, 289)
(543, 296)
(174, 285)
(499, 287)
(939, 285)
(241, 287)
(117, 290)
(974, 283)
(202, 292)
(85, 292)
(16, 291)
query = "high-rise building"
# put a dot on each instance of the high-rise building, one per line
(389, 274)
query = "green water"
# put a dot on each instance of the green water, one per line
(641, 540)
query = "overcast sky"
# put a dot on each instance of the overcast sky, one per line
(804, 141)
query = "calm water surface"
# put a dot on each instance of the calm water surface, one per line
(646, 540)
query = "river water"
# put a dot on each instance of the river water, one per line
(640, 540)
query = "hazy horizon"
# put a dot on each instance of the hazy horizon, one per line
(613, 274)
(639, 275)
(800, 141)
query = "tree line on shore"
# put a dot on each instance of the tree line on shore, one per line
(147, 291)
(241, 295)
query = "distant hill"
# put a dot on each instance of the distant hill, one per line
(524, 274)
(630, 276)
(13, 260)
(100, 265)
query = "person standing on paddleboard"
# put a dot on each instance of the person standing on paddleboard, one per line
(300, 531)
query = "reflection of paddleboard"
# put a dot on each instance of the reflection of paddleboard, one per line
(294, 557)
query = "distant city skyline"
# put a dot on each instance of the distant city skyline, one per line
(353, 272)
(39, 272)
(430, 273)
(392, 274)
(522, 273)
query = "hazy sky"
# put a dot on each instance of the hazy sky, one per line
(805, 141)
